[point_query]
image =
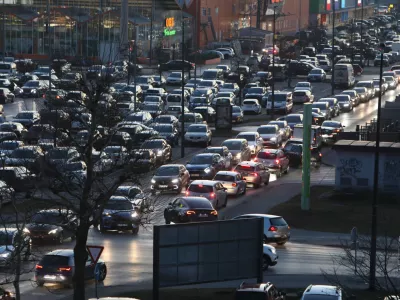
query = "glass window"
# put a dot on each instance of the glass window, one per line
(201, 160)
(278, 222)
(199, 188)
(245, 168)
(266, 155)
(223, 177)
(167, 171)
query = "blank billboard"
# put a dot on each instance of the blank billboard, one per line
(207, 252)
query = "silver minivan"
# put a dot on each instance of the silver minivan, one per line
(276, 230)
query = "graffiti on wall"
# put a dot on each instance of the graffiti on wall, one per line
(350, 167)
(391, 171)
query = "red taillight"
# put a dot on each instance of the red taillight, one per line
(58, 97)
(320, 155)
(234, 184)
(272, 228)
(277, 161)
(187, 193)
(254, 174)
(38, 267)
(66, 269)
(255, 159)
(214, 212)
(212, 195)
(190, 212)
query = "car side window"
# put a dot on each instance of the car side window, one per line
(238, 177)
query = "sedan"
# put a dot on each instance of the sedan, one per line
(176, 65)
(316, 75)
(190, 209)
(205, 165)
(176, 78)
(355, 99)
(237, 114)
(345, 102)
(198, 134)
(232, 182)
(363, 94)
(225, 154)
(253, 139)
(284, 128)
(275, 160)
(271, 135)
(391, 82)
(251, 106)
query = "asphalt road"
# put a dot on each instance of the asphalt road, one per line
(129, 258)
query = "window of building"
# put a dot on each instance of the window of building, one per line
(204, 11)
(209, 11)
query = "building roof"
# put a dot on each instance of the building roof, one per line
(366, 146)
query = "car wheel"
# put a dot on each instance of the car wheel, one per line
(281, 243)
(279, 173)
(135, 230)
(61, 238)
(27, 254)
(287, 170)
(257, 185)
(103, 273)
(167, 221)
(40, 283)
(179, 190)
(266, 262)
(102, 229)
(267, 182)
(12, 100)
(244, 190)
(170, 157)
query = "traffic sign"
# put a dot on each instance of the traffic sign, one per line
(95, 252)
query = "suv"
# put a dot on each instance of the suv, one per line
(323, 291)
(171, 177)
(276, 230)
(214, 191)
(258, 291)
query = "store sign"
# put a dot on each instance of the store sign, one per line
(170, 22)
(169, 32)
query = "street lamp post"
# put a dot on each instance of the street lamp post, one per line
(273, 68)
(333, 48)
(372, 263)
(183, 91)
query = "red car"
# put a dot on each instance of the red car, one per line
(358, 70)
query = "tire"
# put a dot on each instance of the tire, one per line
(179, 190)
(135, 230)
(102, 229)
(103, 273)
(286, 171)
(167, 221)
(27, 254)
(279, 173)
(170, 157)
(244, 191)
(60, 239)
(267, 182)
(266, 262)
(256, 185)
(40, 283)
(281, 243)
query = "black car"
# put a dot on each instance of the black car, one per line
(70, 81)
(190, 209)
(174, 65)
(58, 267)
(171, 177)
(18, 178)
(52, 225)
(209, 114)
(205, 165)
(162, 149)
(30, 157)
(120, 214)
(169, 132)
(299, 68)
(167, 119)
(27, 118)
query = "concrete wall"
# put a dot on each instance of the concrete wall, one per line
(356, 170)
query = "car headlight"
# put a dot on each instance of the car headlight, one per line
(33, 91)
(345, 105)
(207, 170)
(54, 231)
(175, 180)
(273, 250)
(159, 152)
(153, 181)
(239, 155)
(5, 255)
(273, 139)
(134, 214)
(106, 214)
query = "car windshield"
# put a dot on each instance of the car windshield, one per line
(293, 119)
(206, 83)
(215, 150)
(167, 171)
(164, 129)
(320, 297)
(151, 107)
(22, 153)
(320, 105)
(303, 84)
(197, 129)
(48, 218)
(364, 84)
(152, 145)
(72, 167)
(255, 90)
(199, 188)
(54, 260)
(236, 109)
(294, 148)
(57, 154)
(233, 145)
(330, 124)
(111, 150)
(223, 95)
(376, 82)
(6, 238)
(175, 75)
(188, 118)
(201, 160)
(174, 98)
(249, 102)
(388, 78)
(248, 137)
(316, 71)
(119, 86)
(8, 146)
(266, 155)
(228, 86)
(125, 192)
(264, 130)
(24, 116)
(360, 90)
(299, 93)
(32, 84)
(223, 177)
(118, 205)
(244, 168)
(135, 118)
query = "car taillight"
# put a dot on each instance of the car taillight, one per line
(66, 269)
(234, 184)
(255, 159)
(277, 161)
(38, 267)
(187, 193)
(272, 228)
(190, 212)
(214, 212)
(212, 195)
(320, 155)
(44, 96)
(254, 174)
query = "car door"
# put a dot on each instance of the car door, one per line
(283, 160)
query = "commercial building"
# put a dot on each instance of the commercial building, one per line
(88, 28)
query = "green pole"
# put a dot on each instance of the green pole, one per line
(305, 192)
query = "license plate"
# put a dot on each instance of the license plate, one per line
(195, 175)
(122, 225)
(203, 215)
(163, 186)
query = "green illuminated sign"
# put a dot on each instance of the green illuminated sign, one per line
(169, 32)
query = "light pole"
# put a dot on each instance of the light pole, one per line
(183, 90)
(333, 48)
(4, 32)
(273, 68)
(372, 262)
(134, 67)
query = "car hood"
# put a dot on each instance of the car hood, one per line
(195, 134)
(268, 135)
(44, 227)
(165, 178)
(6, 248)
(197, 167)
(123, 213)
(267, 248)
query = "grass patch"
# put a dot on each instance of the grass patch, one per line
(334, 211)
(229, 294)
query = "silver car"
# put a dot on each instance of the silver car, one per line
(232, 181)
(212, 190)
(276, 230)
(271, 135)
(254, 140)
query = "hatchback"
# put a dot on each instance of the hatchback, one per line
(232, 181)
(212, 190)
(253, 172)
(275, 160)
(276, 230)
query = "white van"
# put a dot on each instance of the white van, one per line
(344, 75)
(174, 99)
(8, 68)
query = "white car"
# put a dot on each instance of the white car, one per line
(228, 53)
(251, 106)
(175, 78)
(303, 85)
(232, 181)
(270, 257)
(198, 134)
(253, 139)
(322, 291)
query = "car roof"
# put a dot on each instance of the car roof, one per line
(204, 182)
(62, 252)
(322, 290)
(270, 150)
(248, 163)
(258, 216)
(231, 173)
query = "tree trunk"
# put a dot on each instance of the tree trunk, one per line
(17, 275)
(80, 256)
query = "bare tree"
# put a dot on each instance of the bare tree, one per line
(355, 261)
